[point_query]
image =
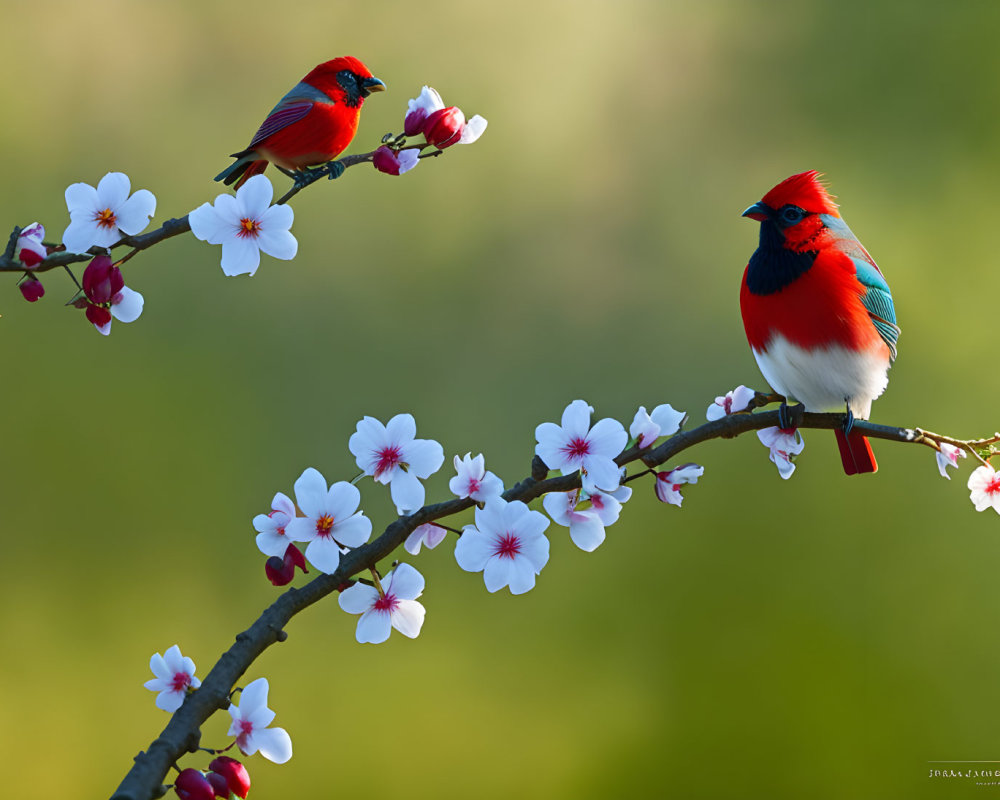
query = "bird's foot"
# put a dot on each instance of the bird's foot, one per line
(334, 168)
(848, 421)
(303, 177)
(787, 415)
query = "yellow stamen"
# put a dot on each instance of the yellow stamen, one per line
(106, 219)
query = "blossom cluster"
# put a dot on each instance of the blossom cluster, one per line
(507, 541)
(441, 126)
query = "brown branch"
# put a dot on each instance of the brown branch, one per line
(181, 734)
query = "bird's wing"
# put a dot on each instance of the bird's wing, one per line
(877, 300)
(290, 108)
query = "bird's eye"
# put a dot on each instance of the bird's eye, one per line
(792, 214)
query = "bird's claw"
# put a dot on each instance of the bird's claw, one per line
(848, 421)
(787, 415)
(335, 168)
(307, 175)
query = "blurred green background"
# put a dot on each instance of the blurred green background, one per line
(824, 637)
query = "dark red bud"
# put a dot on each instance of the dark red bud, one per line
(236, 775)
(385, 160)
(413, 124)
(294, 557)
(277, 572)
(32, 289)
(444, 127)
(280, 571)
(219, 785)
(99, 315)
(192, 785)
(101, 280)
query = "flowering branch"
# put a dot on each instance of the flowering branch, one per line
(60, 257)
(182, 733)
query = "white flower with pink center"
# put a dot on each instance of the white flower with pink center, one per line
(472, 480)
(332, 521)
(245, 226)
(100, 217)
(391, 455)
(948, 456)
(250, 725)
(427, 534)
(576, 446)
(174, 678)
(663, 421)
(608, 505)
(784, 444)
(736, 400)
(395, 606)
(507, 544)
(586, 525)
(668, 484)
(272, 538)
(984, 488)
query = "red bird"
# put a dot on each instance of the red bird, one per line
(817, 311)
(310, 125)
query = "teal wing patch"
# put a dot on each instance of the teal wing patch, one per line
(878, 302)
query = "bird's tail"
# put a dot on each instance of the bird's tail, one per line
(240, 171)
(856, 453)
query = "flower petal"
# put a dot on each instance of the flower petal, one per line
(408, 618)
(134, 214)
(323, 553)
(254, 196)
(112, 190)
(357, 599)
(498, 573)
(278, 244)
(128, 306)
(522, 577)
(240, 257)
(407, 491)
(474, 128)
(473, 549)
(401, 429)
(587, 532)
(374, 627)
(311, 492)
(425, 457)
(81, 197)
(406, 583)
(274, 744)
(353, 531)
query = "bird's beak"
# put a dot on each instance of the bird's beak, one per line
(757, 211)
(369, 85)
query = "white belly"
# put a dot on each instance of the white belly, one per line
(826, 379)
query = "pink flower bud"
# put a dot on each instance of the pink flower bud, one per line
(443, 128)
(385, 159)
(191, 784)
(236, 775)
(29, 249)
(32, 289)
(413, 124)
(102, 280)
(392, 162)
